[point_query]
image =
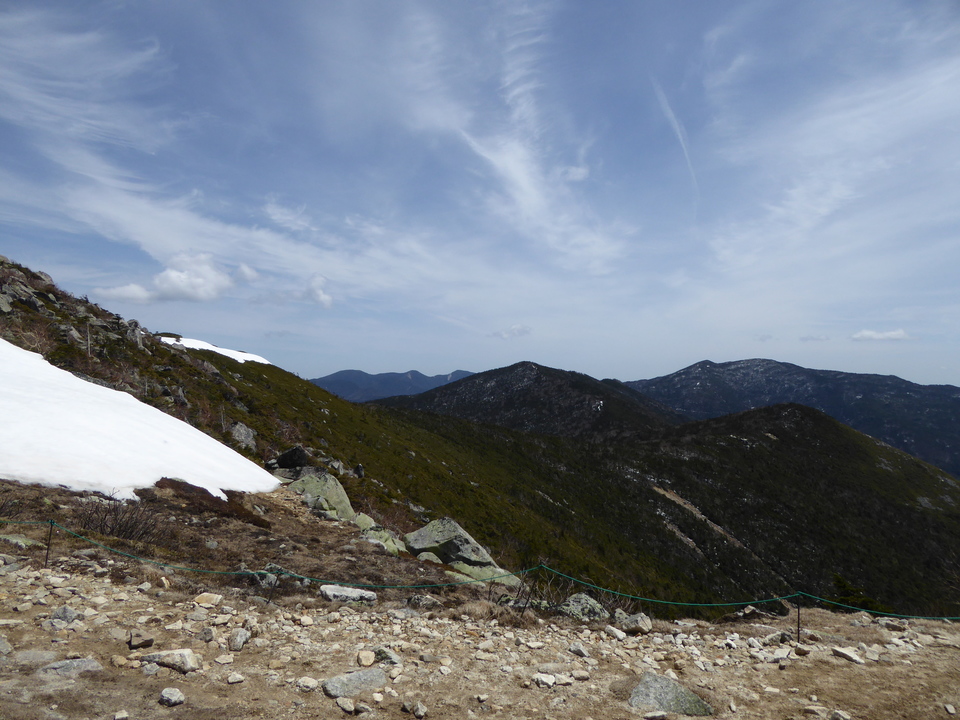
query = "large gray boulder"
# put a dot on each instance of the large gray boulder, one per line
(324, 493)
(453, 545)
(354, 683)
(656, 692)
(449, 542)
(584, 608)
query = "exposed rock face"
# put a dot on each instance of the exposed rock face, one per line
(243, 435)
(661, 693)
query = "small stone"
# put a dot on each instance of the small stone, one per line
(544, 680)
(840, 714)
(416, 708)
(238, 638)
(346, 704)
(208, 599)
(235, 678)
(118, 661)
(138, 639)
(224, 659)
(366, 658)
(170, 697)
(951, 710)
(121, 715)
(578, 649)
(615, 633)
(307, 684)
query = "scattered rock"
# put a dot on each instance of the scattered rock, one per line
(347, 705)
(238, 638)
(138, 639)
(848, 653)
(170, 697)
(182, 660)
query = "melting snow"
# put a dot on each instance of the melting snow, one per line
(56, 429)
(237, 355)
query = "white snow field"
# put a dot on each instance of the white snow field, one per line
(237, 355)
(56, 429)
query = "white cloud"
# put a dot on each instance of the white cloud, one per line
(315, 292)
(293, 219)
(194, 278)
(899, 334)
(513, 331)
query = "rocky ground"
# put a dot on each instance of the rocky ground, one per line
(90, 636)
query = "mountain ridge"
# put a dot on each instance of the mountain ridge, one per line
(923, 420)
(529, 397)
(359, 386)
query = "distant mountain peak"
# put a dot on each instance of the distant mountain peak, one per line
(359, 386)
(923, 420)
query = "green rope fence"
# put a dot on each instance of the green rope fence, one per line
(520, 573)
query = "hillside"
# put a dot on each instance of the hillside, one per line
(534, 399)
(618, 493)
(358, 386)
(923, 420)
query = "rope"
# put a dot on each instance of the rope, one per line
(877, 612)
(667, 602)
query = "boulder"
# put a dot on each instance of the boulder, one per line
(183, 660)
(448, 541)
(324, 493)
(340, 593)
(294, 457)
(354, 683)
(637, 624)
(584, 608)
(657, 692)
(492, 573)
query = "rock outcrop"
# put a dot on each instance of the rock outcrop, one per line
(446, 540)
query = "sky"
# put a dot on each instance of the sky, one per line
(61, 430)
(618, 188)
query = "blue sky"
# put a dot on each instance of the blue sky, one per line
(618, 188)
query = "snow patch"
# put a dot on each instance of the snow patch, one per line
(56, 429)
(237, 355)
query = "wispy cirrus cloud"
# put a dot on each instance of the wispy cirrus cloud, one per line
(899, 334)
